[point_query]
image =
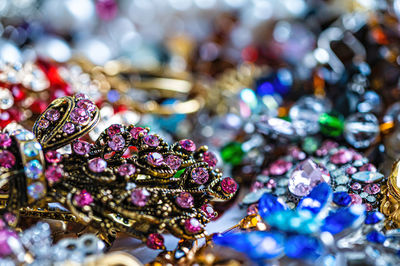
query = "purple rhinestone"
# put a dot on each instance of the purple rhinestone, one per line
(136, 131)
(116, 143)
(351, 170)
(200, 175)
(188, 145)
(185, 200)
(155, 159)
(86, 104)
(210, 158)
(80, 96)
(126, 169)
(356, 186)
(7, 159)
(54, 173)
(69, 128)
(81, 147)
(279, 167)
(173, 161)
(372, 189)
(43, 123)
(151, 140)
(114, 129)
(79, 116)
(140, 197)
(83, 198)
(53, 115)
(97, 165)
(355, 199)
(5, 140)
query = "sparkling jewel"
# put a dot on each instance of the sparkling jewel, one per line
(6, 99)
(188, 145)
(22, 134)
(306, 176)
(331, 125)
(372, 189)
(54, 173)
(114, 129)
(368, 167)
(343, 218)
(155, 241)
(173, 161)
(5, 140)
(69, 128)
(367, 177)
(279, 167)
(200, 175)
(126, 169)
(341, 198)
(136, 131)
(79, 116)
(229, 185)
(185, 200)
(269, 204)
(376, 237)
(140, 196)
(32, 149)
(303, 247)
(53, 156)
(232, 153)
(43, 123)
(33, 169)
(7, 159)
(192, 225)
(80, 96)
(155, 159)
(209, 211)
(97, 165)
(81, 147)
(117, 143)
(342, 156)
(83, 198)
(374, 217)
(52, 115)
(355, 199)
(86, 104)
(151, 140)
(210, 158)
(5, 236)
(361, 129)
(318, 199)
(36, 190)
(356, 186)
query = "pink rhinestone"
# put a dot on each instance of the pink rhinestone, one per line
(192, 225)
(185, 200)
(209, 211)
(173, 161)
(210, 158)
(43, 123)
(5, 236)
(140, 197)
(80, 96)
(155, 241)
(355, 199)
(297, 154)
(126, 169)
(136, 131)
(151, 140)
(7, 159)
(357, 156)
(368, 167)
(54, 173)
(83, 198)
(329, 144)
(10, 218)
(368, 207)
(155, 159)
(79, 116)
(69, 128)
(321, 152)
(341, 157)
(86, 104)
(351, 170)
(252, 209)
(188, 145)
(97, 165)
(279, 167)
(356, 186)
(117, 143)
(53, 156)
(200, 175)
(53, 115)
(372, 189)
(271, 183)
(257, 185)
(5, 140)
(114, 129)
(229, 185)
(81, 147)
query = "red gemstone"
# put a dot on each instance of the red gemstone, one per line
(209, 211)
(155, 241)
(210, 158)
(97, 165)
(17, 93)
(54, 173)
(126, 169)
(279, 167)
(83, 198)
(7, 159)
(79, 115)
(114, 129)
(192, 225)
(81, 147)
(53, 156)
(140, 196)
(173, 161)
(38, 106)
(185, 200)
(200, 175)
(5, 140)
(136, 131)
(229, 185)
(341, 157)
(188, 145)
(5, 118)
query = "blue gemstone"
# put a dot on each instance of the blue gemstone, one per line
(303, 247)
(302, 222)
(23, 134)
(32, 149)
(367, 176)
(279, 82)
(344, 218)
(374, 217)
(319, 198)
(36, 190)
(376, 237)
(269, 204)
(341, 198)
(33, 169)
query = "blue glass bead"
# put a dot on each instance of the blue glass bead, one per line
(303, 247)
(269, 204)
(344, 218)
(32, 149)
(279, 82)
(376, 237)
(374, 217)
(367, 176)
(341, 198)
(319, 198)
(33, 169)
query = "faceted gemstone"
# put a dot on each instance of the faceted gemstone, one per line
(86, 104)
(318, 199)
(374, 217)
(136, 131)
(32, 149)
(5, 140)
(330, 125)
(179, 173)
(368, 177)
(53, 156)
(155, 159)
(33, 169)
(6, 99)
(306, 176)
(43, 123)
(69, 128)
(229, 185)
(361, 129)
(305, 113)
(368, 167)
(303, 247)
(355, 199)
(188, 145)
(193, 226)
(23, 134)
(185, 200)
(341, 198)
(209, 211)
(80, 96)
(83, 198)
(81, 147)
(200, 175)
(126, 169)
(5, 236)
(269, 204)
(53, 115)
(7, 159)
(376, 237)
(79, 116)
(343, 218)
(140, 196)
(173, 161)
(252, 209)
(151, 140)
(372, 189)
(232, 153)
(279, 167)
(116, 143)
(356, 186)
(351, 170)
(155, 241)
(114, 129)
(36, 190)
(54, 173)
(97, 165)
(342, 156)
(210, 158)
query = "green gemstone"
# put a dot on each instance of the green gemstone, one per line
(310, 145)
(331, 125)
(179, 173)
(232, 153)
